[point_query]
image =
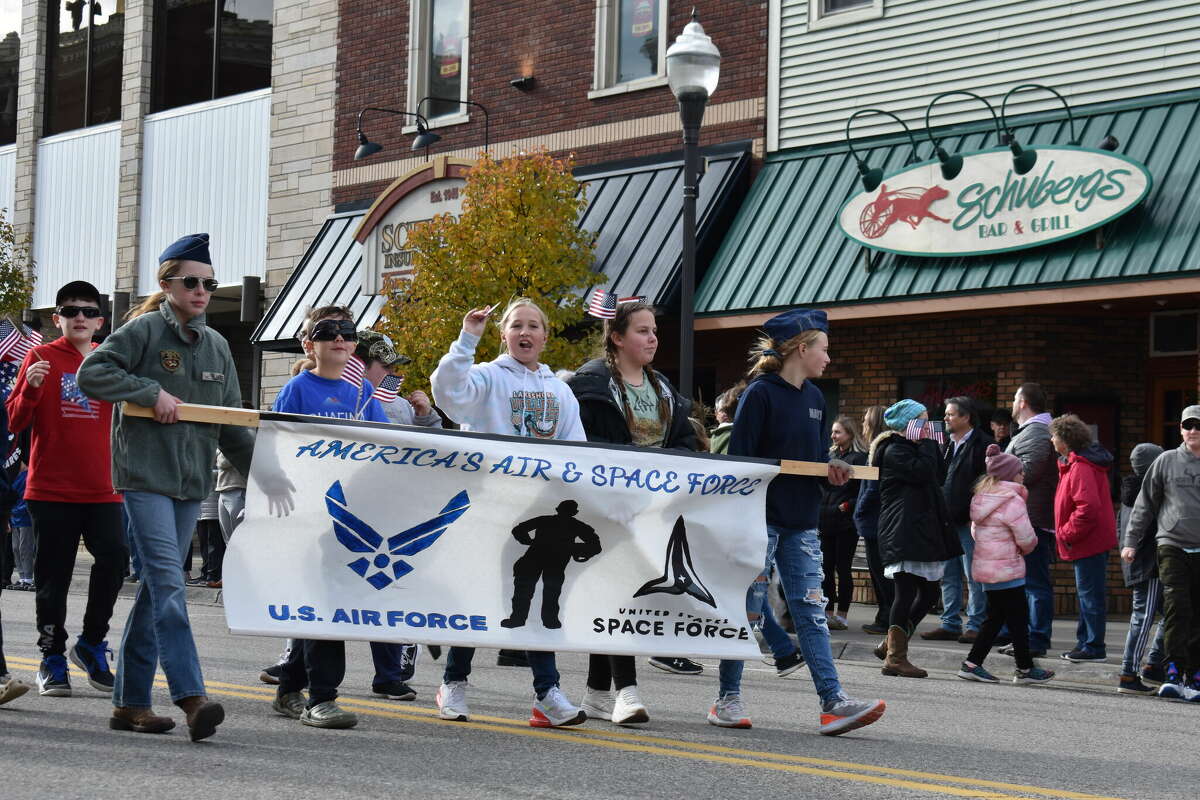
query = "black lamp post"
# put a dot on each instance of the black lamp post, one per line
(693, 67)
(368, 148)
(430, 138)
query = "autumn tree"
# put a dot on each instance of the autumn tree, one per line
(16, 271)
(517, 237)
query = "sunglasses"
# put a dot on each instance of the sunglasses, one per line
(329, 329)
(70, 312)
(1190, 424)
(191, 282)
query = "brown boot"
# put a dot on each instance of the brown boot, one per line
(203, 716)
(139, 720)
(896, 662)
(881, 651)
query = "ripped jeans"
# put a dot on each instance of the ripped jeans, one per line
(797, 556)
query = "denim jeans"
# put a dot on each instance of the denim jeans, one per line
(158, 630)
(545, 673)
(797, 556)
(1040, 591)
(952, 581)
(1146, 602)
(1090, 579)
(759, 612)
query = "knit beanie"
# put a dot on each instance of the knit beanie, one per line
(1143, 456)
(898, 415)
(1002, 466)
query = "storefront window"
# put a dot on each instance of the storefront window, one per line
(245, 47)
(10, 53)
(834, 6)
(637, 40)
(447, 26)
(104, 69)
(83, 80)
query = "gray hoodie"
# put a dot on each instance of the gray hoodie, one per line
(1171, 490)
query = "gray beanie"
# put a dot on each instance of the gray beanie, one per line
(1143, 456)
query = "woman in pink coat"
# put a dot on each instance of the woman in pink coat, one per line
(1003, 536)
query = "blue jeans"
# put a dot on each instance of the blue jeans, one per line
(545, 673)
(1090, 574)
(952, 580)
(135, 560)
(1040, 591)
(759, 612)
(1147, 602)
(158, 630)
(797, 556)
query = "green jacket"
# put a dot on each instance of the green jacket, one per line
(718, 441)
(149, 353)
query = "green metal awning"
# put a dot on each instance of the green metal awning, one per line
(785, 247)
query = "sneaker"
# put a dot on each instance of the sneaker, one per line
(598, 703)
(1177, 691)
(290, 704)
(555, 711)
(1194, 683)
(628, 708)
(1154, 673)
(451, 699)
(836, 622)
(844, 715)
(976, 673)
(328, 715)
(91, 659)
(788, 664)
(11, 688)
(199, 580)
(394, 690)
(1080, 656)
(271, 674)
(875, 629)
(940, 634)
(728, 712)
(968, 637)
(1009, 651)
(1173, 674)
(1033, 675)
(679, 666)
(52, 678)
(1132, 684)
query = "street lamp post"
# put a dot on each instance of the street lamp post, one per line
(693, 67)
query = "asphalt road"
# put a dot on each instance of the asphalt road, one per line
(941, 737)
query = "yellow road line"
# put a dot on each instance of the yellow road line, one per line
(642, 743)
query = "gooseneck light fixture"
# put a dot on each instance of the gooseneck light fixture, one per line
(693, 68)
(429, 138)
(871, 178)
(368, 148)
(952, 164)
(1024, 159)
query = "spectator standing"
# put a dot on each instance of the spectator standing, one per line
(1001, 425)
(866, 522)
(839, 538)
(210, 541)
(1141, 577)
(24, 542)
(10, 688)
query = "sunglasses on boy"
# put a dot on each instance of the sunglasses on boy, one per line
(1190, 424)
(70, 312)
(329, 329)
(192, 281)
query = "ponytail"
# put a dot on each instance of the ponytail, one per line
(767, 356)
(167, 269)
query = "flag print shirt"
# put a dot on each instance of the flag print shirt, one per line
(70, 458)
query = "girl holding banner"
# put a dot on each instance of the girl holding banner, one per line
(514, 395)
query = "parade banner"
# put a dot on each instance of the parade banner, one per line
(407, 534)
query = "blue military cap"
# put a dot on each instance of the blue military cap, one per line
(193, 247)
(782, 327)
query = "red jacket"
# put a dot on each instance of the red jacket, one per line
(1084, 521)
(71, 460)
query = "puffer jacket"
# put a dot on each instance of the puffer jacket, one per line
(1084, 521)
(914, 524)
(1002, 532)
(604, 420)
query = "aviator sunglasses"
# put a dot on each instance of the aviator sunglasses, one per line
(70, 312)
(192, 281)
(1190, 424)
(329, 329)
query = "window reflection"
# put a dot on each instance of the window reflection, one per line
(107, 45)
(245, 44)
(10, 54)
(445, 69)
(637, 40)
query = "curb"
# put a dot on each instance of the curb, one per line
(196, 595)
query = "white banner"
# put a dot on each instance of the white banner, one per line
(414, 535)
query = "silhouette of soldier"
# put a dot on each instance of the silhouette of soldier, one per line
(550, 548)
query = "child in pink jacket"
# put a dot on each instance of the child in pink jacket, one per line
(1002, 536)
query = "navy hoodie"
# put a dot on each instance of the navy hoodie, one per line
(780, 421)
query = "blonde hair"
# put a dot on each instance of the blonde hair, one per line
(511, 308)
(873, 422)
(619, 324)
(856, 440)
(985, 483)
(766, 356)
(167, 269)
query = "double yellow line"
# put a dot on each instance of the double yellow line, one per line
(628, 741)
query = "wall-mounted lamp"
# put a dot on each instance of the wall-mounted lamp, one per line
(368, 148)
(525, 83)
(1110, 143)
(1023, 160)
(871, 178)
(486, 121)
(952, 164)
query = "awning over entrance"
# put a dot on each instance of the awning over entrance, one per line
(634, 210)
(785, 247)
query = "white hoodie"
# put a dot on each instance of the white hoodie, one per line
(504, 396)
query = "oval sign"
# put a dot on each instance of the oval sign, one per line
(988, 208)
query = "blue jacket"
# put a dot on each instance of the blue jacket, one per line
(20, 514)
(780, 421)
(866, 511)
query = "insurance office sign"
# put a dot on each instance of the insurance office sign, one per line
(988, 208)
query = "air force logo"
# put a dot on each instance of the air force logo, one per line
(382, 568)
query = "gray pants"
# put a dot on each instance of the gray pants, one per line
(232, 503)
(24, 546)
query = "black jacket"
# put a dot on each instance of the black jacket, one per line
(913, 522)
(962, 470)
(604, 420)
(833, 518)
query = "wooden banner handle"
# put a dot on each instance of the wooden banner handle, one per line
(819, 469)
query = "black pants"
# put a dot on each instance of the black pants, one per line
(212, 548)
(1005, 607)
(3, 663)
(914, 597)
(615, 671)
(317, 664)
(1179, 573)
(58, 528)
(885, 590)
(837, 548)
(526, 572)
(7, 561)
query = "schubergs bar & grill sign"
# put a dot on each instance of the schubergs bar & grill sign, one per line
(989, 208)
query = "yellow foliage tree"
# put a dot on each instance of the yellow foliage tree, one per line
(517, 237)
(16, 271)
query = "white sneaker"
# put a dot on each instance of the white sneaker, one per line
(452, 701)
(628, 708)
(597, 703)
(554, 711)
(728, 712)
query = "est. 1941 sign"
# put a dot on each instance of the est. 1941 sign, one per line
(988, 208)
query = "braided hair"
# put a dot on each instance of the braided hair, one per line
(620, 324)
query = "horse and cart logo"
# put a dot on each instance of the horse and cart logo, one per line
(910, 204)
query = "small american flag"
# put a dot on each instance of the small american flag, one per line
(353, 373)
(603, 304)
(388, 389)
(918, 427)
(16, 341)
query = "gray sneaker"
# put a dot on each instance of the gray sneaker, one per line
(290, 704)
(843, 715)
(328, 715)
